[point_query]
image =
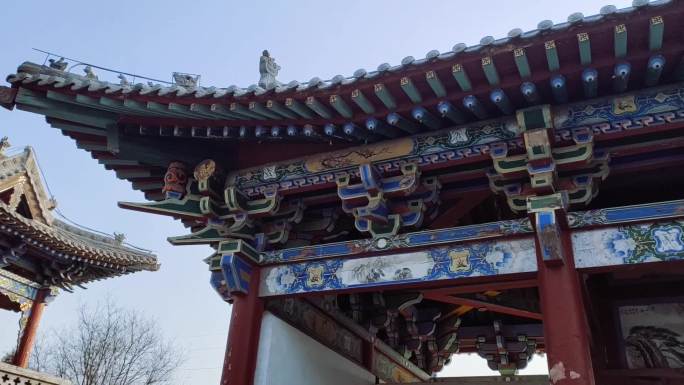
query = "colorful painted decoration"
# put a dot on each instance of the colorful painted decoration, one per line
(175, 180)
(452, 262)
(624, 245)
(416, 239)
(18, 289)
(616, 215)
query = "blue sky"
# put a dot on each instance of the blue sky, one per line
(222, 41)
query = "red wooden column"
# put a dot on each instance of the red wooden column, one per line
(28, 337)
(566, 331)
(243, 336)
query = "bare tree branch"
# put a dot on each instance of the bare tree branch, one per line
(109, 346)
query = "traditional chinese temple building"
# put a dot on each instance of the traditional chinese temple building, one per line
(521, 195)
(41, 255)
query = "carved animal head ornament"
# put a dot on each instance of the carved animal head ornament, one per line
(175, 180)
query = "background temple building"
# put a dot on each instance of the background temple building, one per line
(40, 255)
(522, 195)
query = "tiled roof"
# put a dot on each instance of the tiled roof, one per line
(77, 82)
(103, 256)
(69, 243)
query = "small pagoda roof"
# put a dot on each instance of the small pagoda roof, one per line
(47, 250)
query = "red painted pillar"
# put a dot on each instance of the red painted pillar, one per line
(566, 332)
(243, 336)
(28, 337)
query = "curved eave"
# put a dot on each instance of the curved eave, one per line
(494, 64)
(61, 244)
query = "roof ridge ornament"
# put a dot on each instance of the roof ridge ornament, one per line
(4, 145)
(268, 70)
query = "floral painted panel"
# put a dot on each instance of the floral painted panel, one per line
(456, 261)
(651, 242)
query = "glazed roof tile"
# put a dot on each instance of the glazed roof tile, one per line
(79, 82)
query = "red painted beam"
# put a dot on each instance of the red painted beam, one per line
(484, 305)
(450, 216)
(480, 288)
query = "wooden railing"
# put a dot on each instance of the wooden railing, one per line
(13, 375)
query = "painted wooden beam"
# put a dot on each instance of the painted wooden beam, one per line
(461, 77)
(626, 214)
(341, 106)
(318, 107)
(522, 63)
(410, 240)
(362, 101)
(436, 84)
(221, 110)
(385, 96)
(299, 108)
(441, 263)
(620, 40)
(489, 69)
(261, 110)
(551, 55)
(655, 33)
(279, 109)
(496, 308)
(646, 243)
(243, 111)
(584, 44)
(30, 101)
(410, 89)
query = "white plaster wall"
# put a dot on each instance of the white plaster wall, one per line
(289, 357)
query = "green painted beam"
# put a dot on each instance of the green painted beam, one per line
(584, 48)
(279, 109)
(341, 106)
(655, 33)
(261, 110)
(299, 108)
(385, 96)
(522, 63)
(461, 77)
(552, 55)
(79, 100)
(241, 110)
(188, 112)
(163, 109)
(35, 102)
(410, 89)
(620, 40)
(360, 99)
(435, 83)
(221, 110)
(489, 69)
(318, 107)
(78, 128)
(135, 107)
